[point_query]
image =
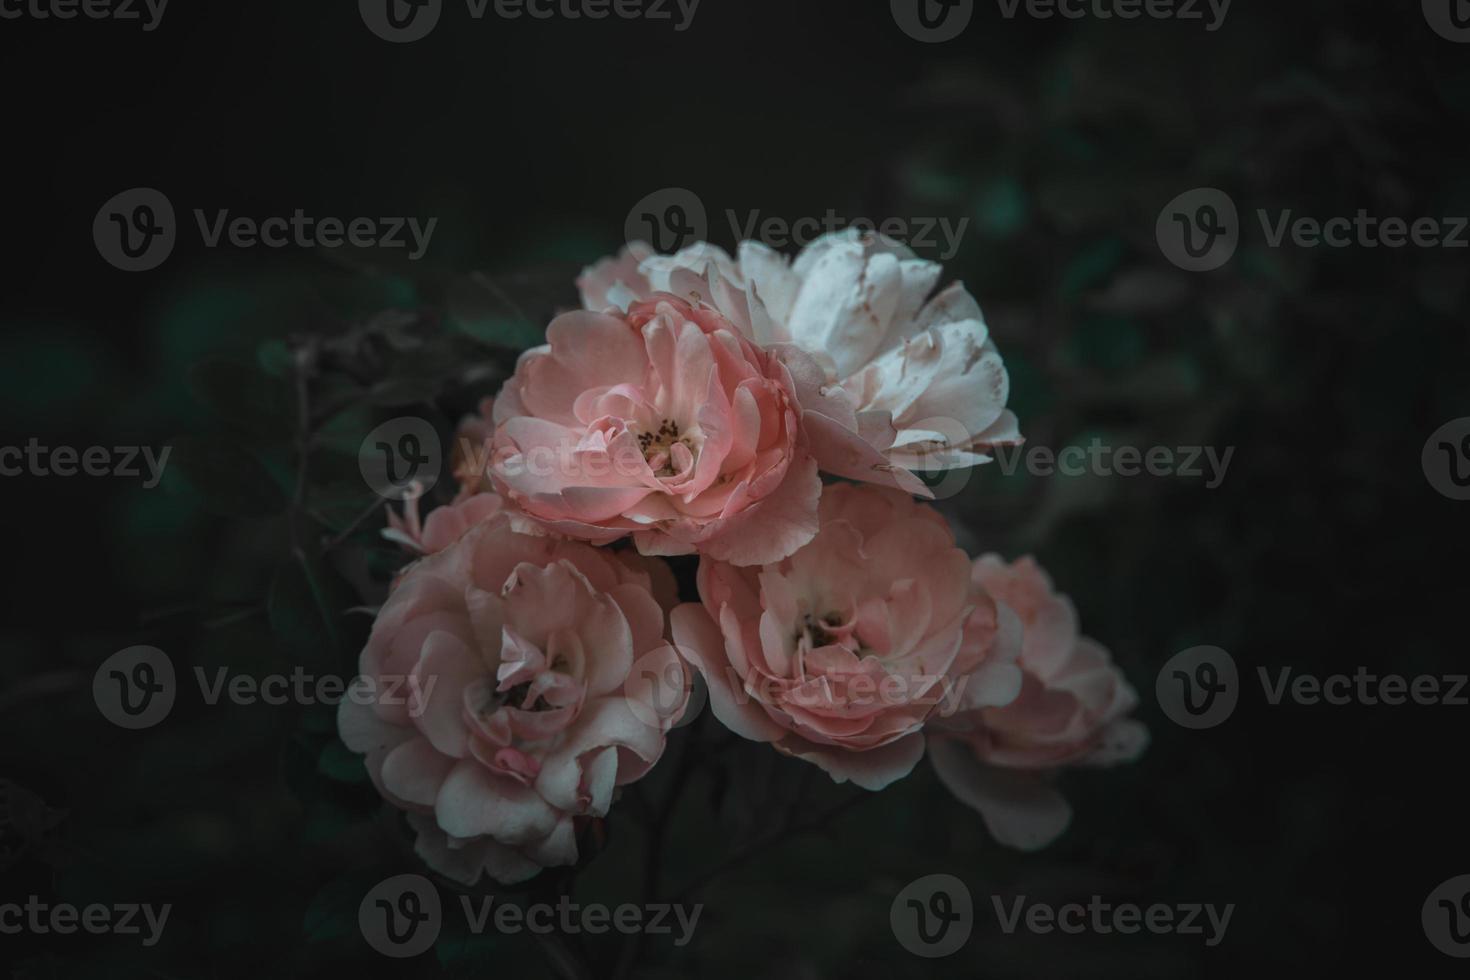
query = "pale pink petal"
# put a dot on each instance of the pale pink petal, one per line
(474, 802)
(1021, 809)
(699, 641)
(873, 769)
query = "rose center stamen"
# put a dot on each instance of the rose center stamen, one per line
(516, 696)
(659, 445)
(814, 629)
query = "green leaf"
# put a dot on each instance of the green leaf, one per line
(1091, 266)
(1108, 343)
(274, 358)
(1002, 208)
(478, 309)
(339, 762)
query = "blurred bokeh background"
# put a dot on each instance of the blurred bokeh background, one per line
(1325, 548)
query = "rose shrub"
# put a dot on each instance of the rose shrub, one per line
(688, 409)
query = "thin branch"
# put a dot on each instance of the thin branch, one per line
(357, 522)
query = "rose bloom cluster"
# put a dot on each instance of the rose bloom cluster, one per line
(691, 407)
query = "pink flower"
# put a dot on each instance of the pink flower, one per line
(1071, 711)
(891, 379)
(615, 283)
(471, 454)
(663, 423)
(841, 653)
(494, 704)
(444, 526)
(474, 503)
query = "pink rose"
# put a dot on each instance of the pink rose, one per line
(444, 525)
(841, 653)
(1071, 711)
(891, 379)
(615, 283)
(494, 704)
(663, 423)
(470, 456)
(474, 503)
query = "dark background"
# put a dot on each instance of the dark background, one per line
(1325, 548)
